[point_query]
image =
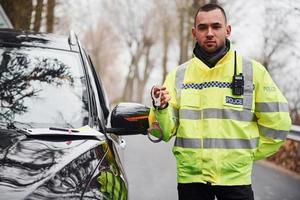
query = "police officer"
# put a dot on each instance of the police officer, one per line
(225, 112)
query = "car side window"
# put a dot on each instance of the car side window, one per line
(42, 88)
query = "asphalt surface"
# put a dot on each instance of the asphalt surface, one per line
(151, 172)
(273, 183)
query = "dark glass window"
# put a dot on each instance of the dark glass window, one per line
(42, 88)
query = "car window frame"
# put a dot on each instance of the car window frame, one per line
(97, 116)
(101, 91)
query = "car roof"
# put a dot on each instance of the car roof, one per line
(43, 40)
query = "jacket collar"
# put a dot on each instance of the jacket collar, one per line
(211, 59)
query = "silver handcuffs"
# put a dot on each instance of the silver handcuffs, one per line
(155, 126)
(156, 100)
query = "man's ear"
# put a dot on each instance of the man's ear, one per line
(194, 32)
(228, 30)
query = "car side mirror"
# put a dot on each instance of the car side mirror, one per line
(129, 119)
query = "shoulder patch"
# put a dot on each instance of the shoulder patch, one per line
(269, 89)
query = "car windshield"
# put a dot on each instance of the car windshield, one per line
(40, 88)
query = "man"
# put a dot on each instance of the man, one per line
(225, 112)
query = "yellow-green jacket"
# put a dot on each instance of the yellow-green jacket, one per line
(219, 135)
(111, 186)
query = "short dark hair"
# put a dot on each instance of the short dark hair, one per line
(209, 7)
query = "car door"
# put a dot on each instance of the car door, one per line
(107, 181)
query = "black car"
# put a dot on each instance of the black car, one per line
(58, 139)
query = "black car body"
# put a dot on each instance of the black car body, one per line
(55, 142)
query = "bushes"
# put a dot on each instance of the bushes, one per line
(287, 156)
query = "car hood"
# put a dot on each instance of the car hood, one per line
(27, 163)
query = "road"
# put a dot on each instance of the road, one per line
(151, 172)
(273, 183)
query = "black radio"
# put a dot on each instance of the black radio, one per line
(237, 85)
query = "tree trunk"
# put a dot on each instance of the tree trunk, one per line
(127, 91)
(128, 86)
(19, 12)
(185, 50)
(38, 15)
(146, 74)
(50, 15)
(213, 1)
(166, 43)
(181, 34)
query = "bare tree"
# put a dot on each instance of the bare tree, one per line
(186, 14)
(133, 19)
(276, 34)
(167, 20)
(281, 44)
(50, 15)
(27, 14)
(140, 66)
(38, 15)
(19, 12)
(102, 44)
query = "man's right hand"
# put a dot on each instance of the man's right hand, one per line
(164, 95)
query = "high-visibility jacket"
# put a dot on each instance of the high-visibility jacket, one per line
(111, 186)
(218, 134)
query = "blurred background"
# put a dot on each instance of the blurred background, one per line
(135, 43)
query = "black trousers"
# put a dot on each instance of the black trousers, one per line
(201, 191)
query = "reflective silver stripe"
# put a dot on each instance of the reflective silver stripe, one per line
(248, 88)
(272, 133)
(175, 115)
(216, 143)
(221, 143)
(245, 115)
(175, 112)
(179, 80)
(188, 142)
(190, 114)
(271, 107)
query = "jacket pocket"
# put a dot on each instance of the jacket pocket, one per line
(190, 99)
(237, 162)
